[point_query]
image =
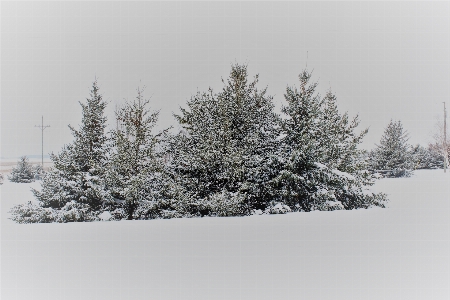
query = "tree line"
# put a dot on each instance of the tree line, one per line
(233, 157)
(395, 157)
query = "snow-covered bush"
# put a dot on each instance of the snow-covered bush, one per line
(105, 216)
(393, 156)
(427, 158)
(224, 204)
(36, 213)
(1, 178)
(38, 172)
(23, 172)
(277, 208)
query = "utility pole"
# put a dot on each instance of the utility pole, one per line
(445, 140)
(42, 129)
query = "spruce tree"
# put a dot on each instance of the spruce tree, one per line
(323, 168)
(77, 174)
(23, 172)
(227, 147)
(338, 139)
(393, 155)
(135, 172)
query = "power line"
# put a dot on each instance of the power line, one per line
(42, 130)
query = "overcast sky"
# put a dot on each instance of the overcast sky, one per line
(383, 60)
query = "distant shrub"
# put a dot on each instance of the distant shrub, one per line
(23, 172)
(38, 172)
(277, 208)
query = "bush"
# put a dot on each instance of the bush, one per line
(38, 172)
(277, 208)
(35, 213)
(225, 204)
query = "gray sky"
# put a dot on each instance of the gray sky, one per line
(383, 60)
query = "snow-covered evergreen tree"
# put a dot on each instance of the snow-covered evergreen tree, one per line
(393, 155)
(1, 178)
(228, 146)
(76, 178)
(136, 170)
(323, 168)
(338, 141)
(23, 172)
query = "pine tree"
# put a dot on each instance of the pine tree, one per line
(339, 141)
(77, 175)
(295, 182)
(135, 174)
(227, 147)
(323, 168)
(393, 155)
(23, 172)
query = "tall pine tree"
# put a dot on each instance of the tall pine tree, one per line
(323, 168)
(77, 174)
(227, 147)
(136, 168)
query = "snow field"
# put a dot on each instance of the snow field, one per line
(402, 252)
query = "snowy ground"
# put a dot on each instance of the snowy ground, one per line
(402, 252)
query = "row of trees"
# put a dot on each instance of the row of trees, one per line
(233, 157)
(394, 157)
